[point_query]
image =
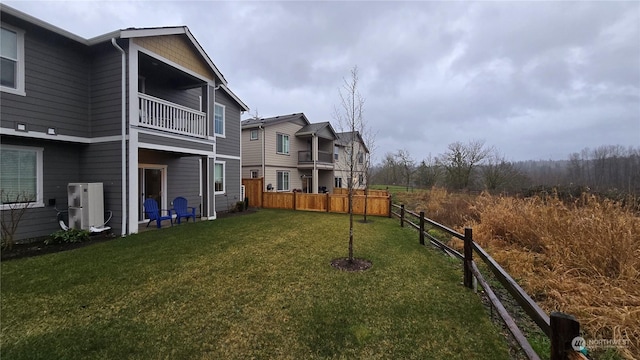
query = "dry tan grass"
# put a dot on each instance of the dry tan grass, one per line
(581, 258)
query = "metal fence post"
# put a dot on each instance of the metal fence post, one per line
(468, 258)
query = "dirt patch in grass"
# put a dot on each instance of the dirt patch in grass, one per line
(345, 264)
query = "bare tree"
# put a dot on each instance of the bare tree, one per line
(498, 173)
(17, 205)
(460, 161)
(349, 115)
(407, 164)
(428, 172)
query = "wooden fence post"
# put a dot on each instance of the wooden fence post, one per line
(468, 258)
(402, 215)
(564, 330)
(390, 207)
(421, 227)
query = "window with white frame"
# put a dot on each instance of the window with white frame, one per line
(254, 174)
(282, 144)
(337, 182)
(282, 180)
(218, 119)
(12, 60)
(218, 175)
(20, 176)
(254, 134)
(360, 158)
(336, 151)
(360, 180)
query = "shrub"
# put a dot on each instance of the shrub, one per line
(69, 236)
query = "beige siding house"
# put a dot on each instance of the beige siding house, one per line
(292, 154)
(343, 160)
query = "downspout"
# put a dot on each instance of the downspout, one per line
(123, 140)
(264, 176)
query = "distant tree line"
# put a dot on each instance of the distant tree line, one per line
(475, 166)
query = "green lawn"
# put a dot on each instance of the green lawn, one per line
(252, 286)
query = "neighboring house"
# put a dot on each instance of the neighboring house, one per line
(145, 112)
(343, 160)
(289, 153)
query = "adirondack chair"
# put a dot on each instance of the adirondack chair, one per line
(155, 214)
(182, 210)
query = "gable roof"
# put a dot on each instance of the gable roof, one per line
(344, 138)
(123, 34)
(323, 129)
(256, 122)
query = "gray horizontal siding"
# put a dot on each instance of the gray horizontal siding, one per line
(189, 98)
(183, 180)
(230, 144)
(61, 165)
(170, 141)
(232, 186)
(106, 91)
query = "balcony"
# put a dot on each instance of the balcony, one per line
(166, 116)
(325, 160)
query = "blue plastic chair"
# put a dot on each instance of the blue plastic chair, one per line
(182, 210)
(155, 214)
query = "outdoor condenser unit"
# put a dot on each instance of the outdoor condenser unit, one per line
(86, 205)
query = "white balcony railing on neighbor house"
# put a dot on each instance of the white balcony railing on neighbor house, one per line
(164, 115)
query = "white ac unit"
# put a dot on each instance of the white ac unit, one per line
(86, 205)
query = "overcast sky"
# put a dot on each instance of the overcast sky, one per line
(536, 80)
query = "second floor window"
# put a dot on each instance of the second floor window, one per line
(253, 135)
(218, 119)
(282, 144)
(336, 151)
(360, 158)
(12, 60)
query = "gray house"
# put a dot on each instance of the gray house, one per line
(144, 111)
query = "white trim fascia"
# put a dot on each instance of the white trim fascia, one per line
(158, 31)
(150, 146)
(45, 25)
(230, 157)
(132, 69)
(235, 97)
(205, 56)
(67, 138)
(133, 181)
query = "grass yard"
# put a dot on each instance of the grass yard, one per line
(253, 286)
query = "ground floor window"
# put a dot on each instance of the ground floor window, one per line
(20, 176)
(337, 182)
(360, 180)
(254, 174)
(219, 177)
(282, 180)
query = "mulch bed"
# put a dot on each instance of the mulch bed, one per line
(19, 251)
(354, 265)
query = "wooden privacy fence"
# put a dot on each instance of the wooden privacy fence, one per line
(377, 205)
(561, 328)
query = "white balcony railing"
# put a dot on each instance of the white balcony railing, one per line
(164, 115)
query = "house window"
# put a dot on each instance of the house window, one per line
(283, 180)
(218, 174)
(282, 144)
(360, 158)
(336, 151)
(20, 176)
(360, 180)
(12, 60)
(337, 182)
(254, 174)
(253, 134)
(218, 119)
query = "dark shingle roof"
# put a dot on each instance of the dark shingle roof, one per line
(252, 122)
(344, 138)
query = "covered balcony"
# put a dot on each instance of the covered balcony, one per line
(171, 100)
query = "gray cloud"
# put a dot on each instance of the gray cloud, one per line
(537, 80)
